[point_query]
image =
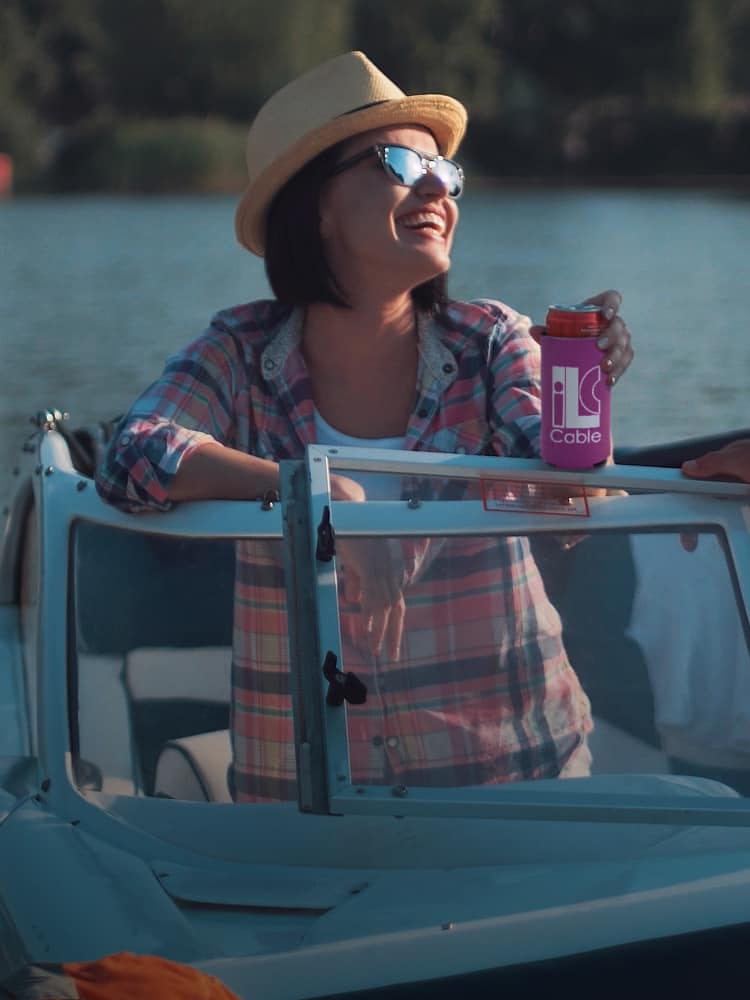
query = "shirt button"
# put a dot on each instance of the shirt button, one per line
(448, 368)
(269, 365)
(392, 741)
(377, 741)
(125, 440)
(422, 413)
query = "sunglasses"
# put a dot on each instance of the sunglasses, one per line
(406, 166)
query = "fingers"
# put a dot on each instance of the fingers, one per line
(689, 541)
(703, 467)
(376, 624)
(615, 339)
(732, 460)
(615, 343)
(343, 488)
(373, 577)
(395, 630)
(609, 302)
(385, 627)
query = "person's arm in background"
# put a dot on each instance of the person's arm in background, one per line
(731, 460)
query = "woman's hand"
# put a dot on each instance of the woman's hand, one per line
(374, 577)
(614, 339)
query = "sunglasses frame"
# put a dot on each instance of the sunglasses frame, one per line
(427, 161)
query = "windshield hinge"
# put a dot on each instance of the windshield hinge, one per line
(326, 547)
(342, 687)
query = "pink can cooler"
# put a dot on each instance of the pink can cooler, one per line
(576, 399)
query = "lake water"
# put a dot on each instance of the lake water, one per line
(96, 292)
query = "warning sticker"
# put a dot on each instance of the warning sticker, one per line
(515, 496)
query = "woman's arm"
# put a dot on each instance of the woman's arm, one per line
(189, 409)
(214, 472)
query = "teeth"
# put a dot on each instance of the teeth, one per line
(421, 219)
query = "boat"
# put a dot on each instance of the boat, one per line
(118, 832)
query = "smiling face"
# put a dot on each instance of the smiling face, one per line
(382, 238)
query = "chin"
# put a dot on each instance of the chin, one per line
(435, 264)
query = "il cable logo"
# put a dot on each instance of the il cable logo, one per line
(576, 408)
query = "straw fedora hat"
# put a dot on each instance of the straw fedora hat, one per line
(338, 99)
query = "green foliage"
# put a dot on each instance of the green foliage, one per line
(181, 57)
(152, 156)
(131, 94)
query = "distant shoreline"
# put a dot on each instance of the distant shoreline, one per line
(739, 182)
(657, 182)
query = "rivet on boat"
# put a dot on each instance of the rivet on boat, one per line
(413, 502)
(399, 791)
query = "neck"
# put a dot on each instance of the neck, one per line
(365, 329)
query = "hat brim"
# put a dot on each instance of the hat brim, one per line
(443, 116)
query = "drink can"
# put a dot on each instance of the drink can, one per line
(576, 399)
(574, 321)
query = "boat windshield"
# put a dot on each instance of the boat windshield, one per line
(550, 656)
(504, 659)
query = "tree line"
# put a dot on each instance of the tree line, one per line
(156, 95)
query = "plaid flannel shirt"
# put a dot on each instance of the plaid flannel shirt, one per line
(482, 691)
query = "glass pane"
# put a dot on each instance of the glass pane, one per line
(514, 658)
(155, 620)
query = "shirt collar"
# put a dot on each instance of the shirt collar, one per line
(285, 342)
(438, 360)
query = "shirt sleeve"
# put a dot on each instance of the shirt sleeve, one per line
(189, 405)
(515, 387)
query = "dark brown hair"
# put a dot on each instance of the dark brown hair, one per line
(295, 258)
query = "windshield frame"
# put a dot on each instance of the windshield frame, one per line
(659, 499)
(65, 497)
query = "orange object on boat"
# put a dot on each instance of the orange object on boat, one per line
(120, 976)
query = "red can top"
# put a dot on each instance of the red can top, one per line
(574, 321)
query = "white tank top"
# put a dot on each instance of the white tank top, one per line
(377, 486)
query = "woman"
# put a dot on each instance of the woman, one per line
(353, 204)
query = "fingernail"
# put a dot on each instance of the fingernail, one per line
(608, 362)
(608, 312)
(611, 380)
(602, 342)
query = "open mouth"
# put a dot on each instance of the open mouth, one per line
(425, 221)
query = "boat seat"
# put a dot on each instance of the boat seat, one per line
(615, 751)
(174, 693)
(194, 768)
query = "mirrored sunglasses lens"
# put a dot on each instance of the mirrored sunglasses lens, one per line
(449, 174)
(404, 164)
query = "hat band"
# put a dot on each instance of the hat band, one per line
(362, 107)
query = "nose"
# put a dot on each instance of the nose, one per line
(430, 185)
